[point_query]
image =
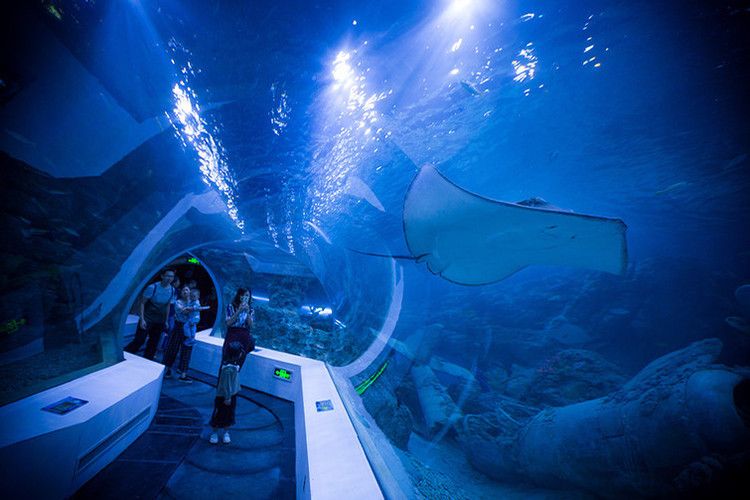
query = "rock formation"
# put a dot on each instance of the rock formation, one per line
(646, 438)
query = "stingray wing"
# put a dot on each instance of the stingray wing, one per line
(472, 240)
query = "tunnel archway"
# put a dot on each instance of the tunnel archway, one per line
(295, 309)
(188, 269)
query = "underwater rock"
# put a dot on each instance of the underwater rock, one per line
(571, 376)
(423, 342)
(638, 317)
(521, 346)
(568, 334)
(392, 416)
(640, 440)
(519, 381)
(438, 407)
(287, 292)
(451, 373)
(284, 330)
(396, 421)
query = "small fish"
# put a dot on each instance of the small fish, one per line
(737, 160)
(469, 87)
(72, 232)
(739, 324)
(19, 137)
(672, 187)
(619, 311)
(320, 232)
(30, 233)
(39, 206)
(357, 188)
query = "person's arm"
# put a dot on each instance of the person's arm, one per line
(143, 319)
(249, 319)
(166, 313)
(231, 319)
(180, 307)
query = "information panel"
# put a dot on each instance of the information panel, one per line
(65, 405)
(324, 405)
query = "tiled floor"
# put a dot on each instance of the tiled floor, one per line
(173, 458)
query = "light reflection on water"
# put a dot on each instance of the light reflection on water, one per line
(280, 111)
(193, 131)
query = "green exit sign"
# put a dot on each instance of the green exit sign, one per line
(193, 260)
(283, 374)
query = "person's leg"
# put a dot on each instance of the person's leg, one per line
(135, 344)
(153, 331)
(168, 336)
(185, 352)
(231, 420)
(216, 420)
(170, 354)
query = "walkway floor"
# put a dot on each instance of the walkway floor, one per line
(173, 458)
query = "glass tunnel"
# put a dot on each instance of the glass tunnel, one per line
(511, 234)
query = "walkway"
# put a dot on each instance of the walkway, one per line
(173, 458)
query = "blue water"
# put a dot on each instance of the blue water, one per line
(308, 122)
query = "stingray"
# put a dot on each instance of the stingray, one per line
(473, 240)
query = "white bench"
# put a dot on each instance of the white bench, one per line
(46, 455)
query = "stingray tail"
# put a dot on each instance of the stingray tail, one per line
(402, 257)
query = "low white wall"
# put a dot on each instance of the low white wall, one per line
(45, 455)
(330, 461)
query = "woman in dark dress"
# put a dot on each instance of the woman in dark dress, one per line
(227, 388)
(240, 324)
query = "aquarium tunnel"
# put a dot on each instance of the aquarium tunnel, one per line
(491, 249)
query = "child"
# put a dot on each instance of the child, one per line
(227, 388)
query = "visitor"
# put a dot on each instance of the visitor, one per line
(170, 316)
(227, 388)
(240, 323)
(154, 309)
(189, 330)
(176, 338)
